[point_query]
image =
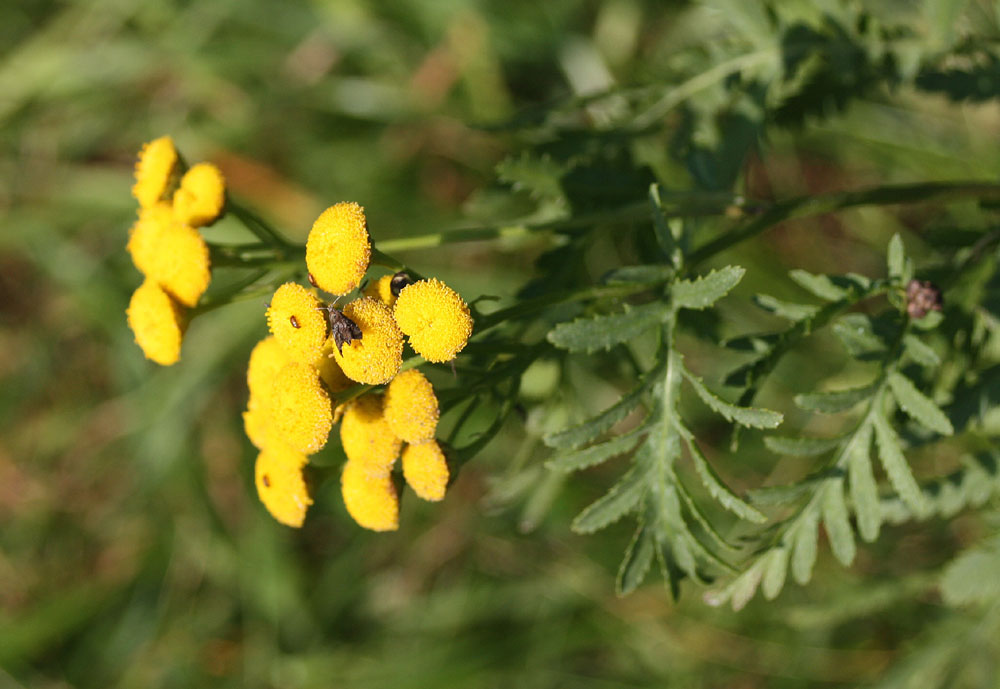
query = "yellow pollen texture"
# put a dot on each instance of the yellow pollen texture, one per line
(376, 357)
(281, 485)
(154, 171)
(297, 323)
(157, 322)
(257, 424)
(301, 408)
(426, 470)
(366, 437)
(201, 195)
(436, 319)
(329, 370)
(381, 289)
(411, 408)
(338, 248)
(371, 501)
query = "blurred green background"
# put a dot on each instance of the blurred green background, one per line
(133, 550)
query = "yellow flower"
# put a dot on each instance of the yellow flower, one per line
(411, 408)
(338, 248)
(425, 470)
(297, 323)
(436, 319)
(257, 424)
(376, 357)
(371, 501)
(266, 359)
(171, 253)
(155, 171)
(381, 289)
(201, 195)
(329, 370)
(366, 437)
(144, 237)
(157, 322)
(281, 485)
(301, 408)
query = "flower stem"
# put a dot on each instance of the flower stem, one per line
(257, 225)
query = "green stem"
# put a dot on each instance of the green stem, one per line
(257, 225)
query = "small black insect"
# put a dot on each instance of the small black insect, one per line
(342, 328)
(294, 321)
(398, 282)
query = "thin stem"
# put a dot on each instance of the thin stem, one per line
(257, 225)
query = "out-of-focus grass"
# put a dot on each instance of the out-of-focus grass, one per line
(133, 551)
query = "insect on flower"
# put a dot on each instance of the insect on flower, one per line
(294, 321)
(399, 281)
(342, 328)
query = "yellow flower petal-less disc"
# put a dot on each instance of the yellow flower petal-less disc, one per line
(375, 358)
(297, 323)
(266, 359)
(183, 269)
(155, 171)
(281, 485)
(426, 470)
(411, 408)
(301, 409)
(436, 319)
(330, 372)
(366, 437)
(257, 424)
(338, 249)
(371, 501)
(201, 195)
(144, 237)
(381, 289)
(158, 323)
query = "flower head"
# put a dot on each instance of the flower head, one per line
(182, 266)
(370, 500)
(157, 322)
(155, 170)
(435, 318)
(297, 323)
(201, 195)
(266, 360)
(411, 408)
(338, 248)
(301, 408)
(329, 369)
(257, 424)
(381, 289)
(376, 357)
(425, 470)
(367, 439)
(280, 484)
(144, 237)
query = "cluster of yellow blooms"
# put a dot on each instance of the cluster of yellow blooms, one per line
(166, 247)
(315, 351)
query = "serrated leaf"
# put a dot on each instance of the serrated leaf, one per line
(582, 433)
(920, 351)
(537, 175)
(918, 406)
(638, 558)
(614, 504)
(972, 577)
(896, 257)
(820, 285)
(603, 332)
(785, 309)
(856, 333)
(707, 289)
(800, 447)
(638, 275)
(745, 416)
(834, 401)
(896, 467)
(718, 490)
(594, 455)
(775, 570)
(862, 485)
(837, 523)
(803, 544)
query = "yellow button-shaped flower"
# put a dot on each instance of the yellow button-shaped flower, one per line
(201, 195)
(367, 439)
(330, 371)
(426, 470)
(375, 358)
(301, 408)
(158, 323)
(145, 235)
(338, 249)
(155, 171)
(183, 267)
(436, 319)
(381, 289)
(281, 485)
(370, 500)
(266, 359)
(257, 424)
(297, 323)
(411, 407)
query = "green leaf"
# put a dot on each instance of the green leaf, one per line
(742, 590)
(820, 285)
(635, 565)
(896, 467)
(745, 416)
(800, 447)
(918, 406)
(591, 456)
(664, 235)
(896, 257)
(972, 577)
(583, 433)
(775, 570)
(785, 309)
(803, 543)
(603, 332)
(539, 176)
(837, 523)
(834, 401)
(861, 482)
(920, 351)
(638, 275)
(856, 332)
(707, 289)
(718, 490)
(613, 505)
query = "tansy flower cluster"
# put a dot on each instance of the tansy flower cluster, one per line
(315, 351)
(167, 248)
